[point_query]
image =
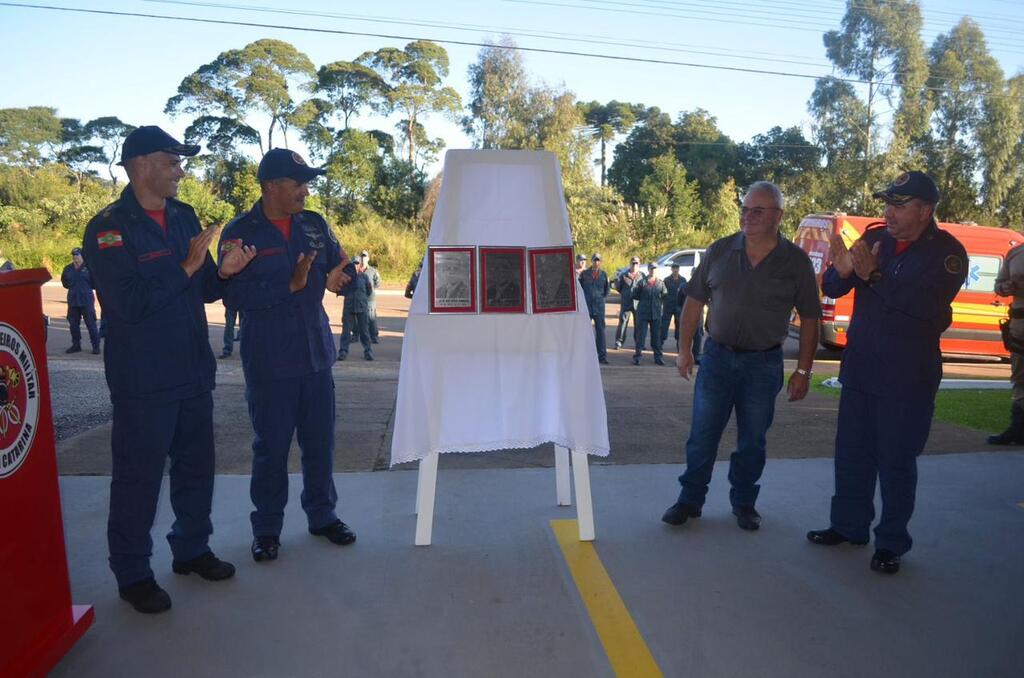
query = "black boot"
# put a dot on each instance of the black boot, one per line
(1014, 435)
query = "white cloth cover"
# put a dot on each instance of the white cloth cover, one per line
(480, 382)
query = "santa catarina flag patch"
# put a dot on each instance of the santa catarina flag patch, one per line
(109, 239)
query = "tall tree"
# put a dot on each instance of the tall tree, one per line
(607, 121)
(109, 132)
(257, 79)
(348, 88)
(777, 155)
(671, 202)
(880, 42)
(709, 155)
(28, 135)
(499, 101)
(413, 77)
(647, 141)
(963, 74)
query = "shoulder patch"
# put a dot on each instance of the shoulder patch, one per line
(953, 264)
(107, 239)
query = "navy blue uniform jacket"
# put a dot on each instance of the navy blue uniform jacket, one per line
(285, 335)
(157, 341)
(78, 284)
(893, 342)
(594, 291)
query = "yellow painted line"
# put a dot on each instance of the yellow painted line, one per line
(627, 652)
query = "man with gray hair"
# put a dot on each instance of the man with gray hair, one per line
(751, 281)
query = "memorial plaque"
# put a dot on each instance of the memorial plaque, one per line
(552, 279)
(503, 280)
(452, 279)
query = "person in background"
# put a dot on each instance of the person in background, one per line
(649, 296)
(625, 283)
(594, 282)
(371, 303)
(357, 321)
(77, 279)
(1010, 283)
(670, 314)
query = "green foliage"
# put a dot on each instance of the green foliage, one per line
(394, 250)
(211, 210)
(28, 135)
(258, 78)
(412, 87)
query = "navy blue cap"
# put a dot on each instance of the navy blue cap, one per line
(76, 251)
(908, 186)
(280, 163)
(150, 139)
(581, 257)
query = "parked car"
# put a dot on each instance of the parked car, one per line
(687, 259)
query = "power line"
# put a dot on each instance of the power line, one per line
(518, 32)
(1006, 47)
(467, 43)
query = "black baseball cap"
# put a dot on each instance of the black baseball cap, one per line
(581, 257)
(908, 186)
(151, 139)
(76, 251)
(280, 163)
(651, 266)
(596, 257)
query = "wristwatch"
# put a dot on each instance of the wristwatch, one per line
(802, 371)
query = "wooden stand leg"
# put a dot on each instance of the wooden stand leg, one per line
(426, 485)
(563, 487)
(584, 506)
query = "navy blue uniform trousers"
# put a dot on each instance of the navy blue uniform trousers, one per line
(145, 433)
(75, 316)
(280, 409)
(878, 438)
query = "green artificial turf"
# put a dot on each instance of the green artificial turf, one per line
(983, 410)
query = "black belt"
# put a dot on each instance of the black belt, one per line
(1017, 312)
(737, 349)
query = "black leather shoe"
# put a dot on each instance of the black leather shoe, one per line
(207, 566)
(146, 597)
(374, 340)
(659, 361)
(74, 349)
(368, 356)
(265, 548)
(342, 356)
(95, 350)
(603, 361)
(636, 360)
(830, 537)
(885, 562)
(747, 517)
(336, 533)
(677, 513)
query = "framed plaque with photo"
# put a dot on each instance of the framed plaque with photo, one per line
(452, 279)
(552, 279)
(502, 280)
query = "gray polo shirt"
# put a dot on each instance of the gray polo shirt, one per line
(749, 308)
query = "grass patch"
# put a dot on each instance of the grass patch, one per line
(983, 410)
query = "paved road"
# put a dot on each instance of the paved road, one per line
(366, 402)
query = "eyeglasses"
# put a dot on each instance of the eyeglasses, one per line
(757, 211)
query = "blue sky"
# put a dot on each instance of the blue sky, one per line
(91, 65)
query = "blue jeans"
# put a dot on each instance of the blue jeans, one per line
(748, 382)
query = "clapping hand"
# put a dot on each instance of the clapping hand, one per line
(235, 259)
(301, 273)
(198, 248)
